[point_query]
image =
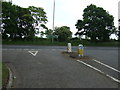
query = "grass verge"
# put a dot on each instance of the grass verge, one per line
(5, 75)
(0, 75)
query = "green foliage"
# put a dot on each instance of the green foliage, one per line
(118, 31)
(48, 32)
(97, 24)
(64, 33)
(21, 23)
(39, 16)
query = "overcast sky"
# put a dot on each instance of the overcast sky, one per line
(67, 12)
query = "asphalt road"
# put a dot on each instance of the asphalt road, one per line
(49, 68)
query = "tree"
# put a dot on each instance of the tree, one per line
(25, 24)
(42, 33)
(8, 17)
(21, 22)
(119, 31)
(48, 33)
(39, 16)
(97, 23)
(17, 22)
(63, 33)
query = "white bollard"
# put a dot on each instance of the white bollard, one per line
(69, 48)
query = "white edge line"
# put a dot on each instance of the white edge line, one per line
(114, 79)
(106, 65)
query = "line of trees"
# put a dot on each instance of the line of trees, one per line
(24, 23)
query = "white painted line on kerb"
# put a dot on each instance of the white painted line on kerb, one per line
(11, 49)
(106, 65)
(114, 79)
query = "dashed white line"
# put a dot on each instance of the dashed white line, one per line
(106, 65)
(32, 49)
(11, 49)
(26, 49)
(53, 49)
(35, 49)
(4, 49)
(18, 49)
(114, 79)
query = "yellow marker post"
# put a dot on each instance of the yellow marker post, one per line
(80, 50)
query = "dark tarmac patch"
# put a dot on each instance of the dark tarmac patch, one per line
(74, 55)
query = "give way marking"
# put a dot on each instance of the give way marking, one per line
(34, 53)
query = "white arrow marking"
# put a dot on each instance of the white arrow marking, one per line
(34, 53)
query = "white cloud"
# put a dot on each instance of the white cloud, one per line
(26, 3)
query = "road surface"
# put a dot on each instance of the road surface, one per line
(47, 67)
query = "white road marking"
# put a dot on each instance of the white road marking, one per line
(4, 49)
(106, 65)
(32, 49)
(53, 49)
(114, 79)
(11, 49)
(34, 53)
(18, 49)
(26, 49)
(35, 49)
